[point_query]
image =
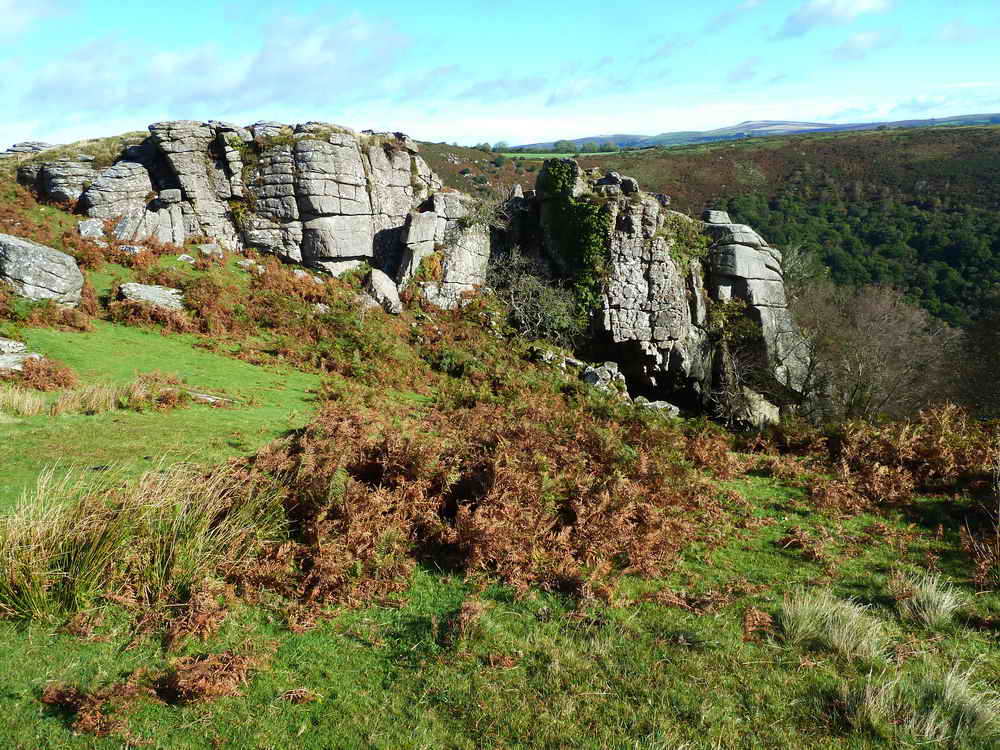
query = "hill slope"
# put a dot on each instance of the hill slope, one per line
(915, 208)
(449, 543)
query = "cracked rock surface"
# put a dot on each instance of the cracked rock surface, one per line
(39, 272)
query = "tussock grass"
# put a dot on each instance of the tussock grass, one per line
(950, 708)
(76, 539)
(820, 619)
(148, 391)
(20, 402)
(927, 599)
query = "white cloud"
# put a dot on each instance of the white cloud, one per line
(825, 12)
(745, 71)
(962, 33)
(729, 17)
(303, 62)
(857, 46)
(18, 15)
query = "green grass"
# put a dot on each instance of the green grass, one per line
(531, 672)
(271, 402)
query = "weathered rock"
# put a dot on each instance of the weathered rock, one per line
(211, 250)
(744, 267)
(716, 217)
(131, 249)
(9, 346)
(64, 181)
(384, 291)
(158, 296)
(663, 407)
(654, 313)
(366, 301)
(757, 411)
(605, 377)
(91, 229)
(14, 362)
(29, 147)
(185, 258)
(38, 272)
(423, 233)
(317, 193)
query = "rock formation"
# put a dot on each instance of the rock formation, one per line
(333, 199)
(314, 193)
(743, 266)
(656, 295)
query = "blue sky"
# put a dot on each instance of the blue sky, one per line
(477, 70)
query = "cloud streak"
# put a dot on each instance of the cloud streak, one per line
(858, 46)
(815, 13)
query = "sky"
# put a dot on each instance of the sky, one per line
(519, 71)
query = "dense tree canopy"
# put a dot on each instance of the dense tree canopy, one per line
(946, 259)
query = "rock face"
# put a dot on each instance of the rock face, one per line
(654, 311)
(743, 266)
(656, 296)
(158, 296)
(38, 272)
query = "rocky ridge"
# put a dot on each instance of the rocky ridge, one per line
(333, 199)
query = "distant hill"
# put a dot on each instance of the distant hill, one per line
(753, 128)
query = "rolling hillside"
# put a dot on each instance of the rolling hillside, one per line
(758, 128)
(915, 208)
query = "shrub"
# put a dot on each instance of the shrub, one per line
(539, 306)
(500, 479)
(822, 620)
(47, 375)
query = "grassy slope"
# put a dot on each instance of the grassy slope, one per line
(278, 401)
(534, 672)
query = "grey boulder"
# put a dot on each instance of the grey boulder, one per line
(163, 297)
(9, 346)
(15, 362)
(38, 272)
(383, 290)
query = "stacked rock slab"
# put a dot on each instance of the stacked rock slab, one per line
(654, 311)
(743, 266)
(448, 227)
